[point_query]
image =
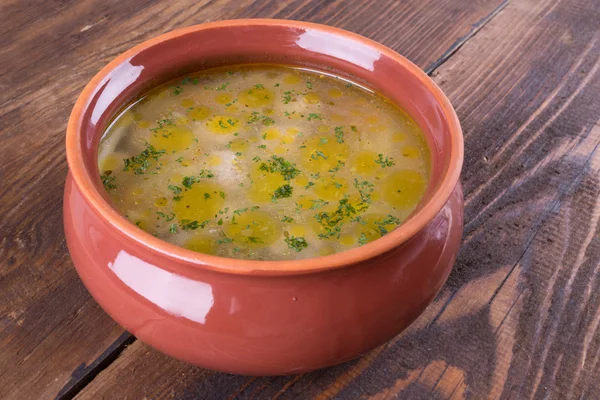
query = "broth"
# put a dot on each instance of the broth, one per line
(264, 162)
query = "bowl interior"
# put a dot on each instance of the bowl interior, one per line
(269, 41)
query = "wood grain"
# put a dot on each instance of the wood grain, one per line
(520, 314)
(53, 337)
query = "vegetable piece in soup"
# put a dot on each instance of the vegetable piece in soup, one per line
(264, 162)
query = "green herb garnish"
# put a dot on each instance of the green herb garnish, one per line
(339, 134)
(140, 163)
(387, 162)
(278, 164)
(108, 180)
(282, 192)
(296, 243)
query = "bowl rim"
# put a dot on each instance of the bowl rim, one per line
(418, 220)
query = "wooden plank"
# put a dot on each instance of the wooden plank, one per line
(519, 316)
(53, 337)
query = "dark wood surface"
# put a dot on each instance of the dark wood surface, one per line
(520, 314)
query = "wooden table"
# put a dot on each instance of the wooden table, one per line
(520, 314)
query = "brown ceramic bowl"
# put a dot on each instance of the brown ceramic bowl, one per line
(262, 317)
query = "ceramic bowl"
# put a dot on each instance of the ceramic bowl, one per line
(262, 317)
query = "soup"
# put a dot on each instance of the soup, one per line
(264, 162)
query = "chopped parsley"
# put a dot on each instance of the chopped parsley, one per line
(108, 180)
(278, 164)
(287, 97)
(222, 87)
(339, 165)
(362, 240)
(317, 154)
(296, 243)
(287, 219)
(387, 162)
(282, 192)
(167, 216)
(175, 189)
(339, 134)
(318, 204)
(140, 163)
(161, 125)
(177, 90)
(188, 181)
(186, 224)
(365, 188)
(173, 228)
(256, 117)
(312, 116)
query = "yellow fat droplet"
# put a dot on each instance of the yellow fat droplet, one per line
(199, 113)
(239, 144)
(411, 152)
(182, 121)
(312, 98)
(372, 119)
(280, 150)
(288, 139)
(301, 180)
(172, 138)
(323, 153)
(323, 128)
(201, 244)
(143, 225)
(137, 116)
(213, 160)
(336, 118)
(334, 92)
(404, 189)
(264, 184)
(160, 201)
(377, 128)
(176, 178)
(144, 124)
(124, 120)
(364, 163)
(326, 250)
(347, 240)
(110, 163)
(232, 108)
(223, 124)
(271, 134)
(196, 206)
(187, 102)
(254, 229)
(297, 230)
(291, 79)
(331, 188)
(256, 97)
(399, 137)
(136, 191)
(223, 98)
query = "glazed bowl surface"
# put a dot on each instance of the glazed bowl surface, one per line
(262, 317)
